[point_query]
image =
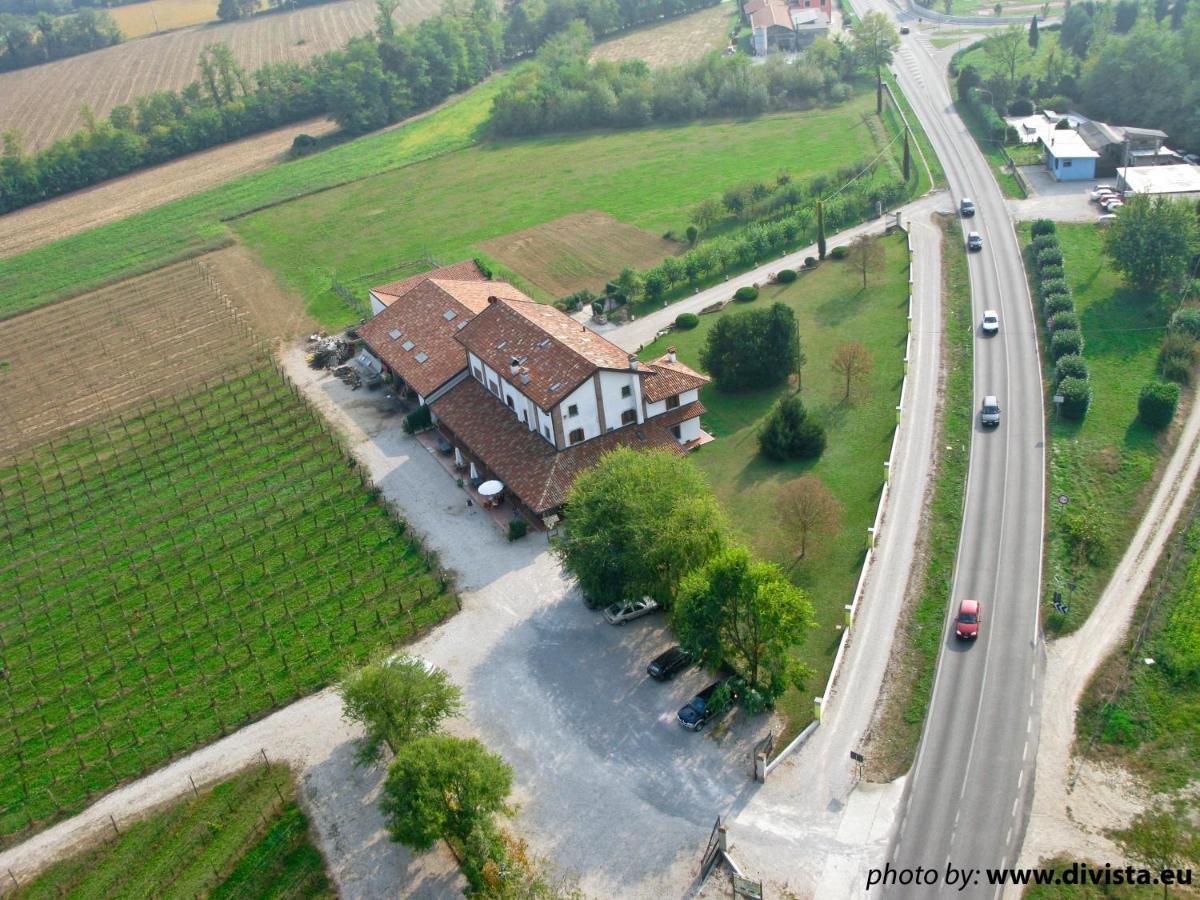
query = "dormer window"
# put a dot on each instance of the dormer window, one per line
(408, 345)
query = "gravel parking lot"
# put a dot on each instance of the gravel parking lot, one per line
(1062, 201)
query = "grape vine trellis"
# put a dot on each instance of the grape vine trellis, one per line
(168, 576)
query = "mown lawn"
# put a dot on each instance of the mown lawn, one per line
(171, 576)
(444, 207)
(1104, 464)
(147, 241)
(832, 309)
(245, 837)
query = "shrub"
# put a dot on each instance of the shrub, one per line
(303, 144)
(810, 262)
(786, 276)
(692, 233)
(810, 440)
(1058, 303)
(686, 321)
(788, 433)
(1064, 343)
(1044, 242)
(1051, 273)
(1087, 536)
(1043, 226)
(1077, 395)
(1022, 106)
(1180, 639)
(417, 420)
(1058, 286)
(1059, 321)
(745, 294)
(1187, 321)
(839, 252)
(517, 528)
(1176, 371)
(1072, 366)
(1051, 256)
(1178, 346)
(1157, 402)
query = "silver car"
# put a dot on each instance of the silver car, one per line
(628, 610)
(989, 413)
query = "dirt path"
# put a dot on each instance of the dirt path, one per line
(139, 191)
(1075, 799)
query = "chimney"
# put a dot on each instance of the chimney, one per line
(633, 362)
(670, 354)
(524, 376)
(493, 299)
(513, 365)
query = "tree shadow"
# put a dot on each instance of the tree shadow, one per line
(836, 310)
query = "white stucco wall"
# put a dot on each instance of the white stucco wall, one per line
(689, 430)
(611, 384)
(376, 305)
(584, 397)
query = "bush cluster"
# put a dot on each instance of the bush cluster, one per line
(839, 252)
(789, 433)
(418, 420)
(686, 321)
(1178, 353)
(1071, 380)
(786, 276)
(1157, 403)
(745, 294)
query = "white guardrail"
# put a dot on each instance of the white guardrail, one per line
(821, 704)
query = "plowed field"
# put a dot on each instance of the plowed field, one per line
(43, 102)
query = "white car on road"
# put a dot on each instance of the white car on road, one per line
(991, 321)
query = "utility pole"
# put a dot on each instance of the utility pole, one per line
(907, 156)
(820, 230)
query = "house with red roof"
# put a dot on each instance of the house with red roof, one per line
(786, 26)
(522, 392)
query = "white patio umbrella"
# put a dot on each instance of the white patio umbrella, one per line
(490, 488)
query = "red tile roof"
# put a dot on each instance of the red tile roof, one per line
(666, 379)
(679, 414)
(466, 270)
(558, 352)
(529, 466)
(417, 341)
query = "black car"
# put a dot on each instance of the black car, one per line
(699, 709)
(967, 208)
(667, 665)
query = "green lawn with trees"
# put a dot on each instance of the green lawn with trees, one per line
(649, 177)
(245, 837)
(1103, 463)
(833, 311)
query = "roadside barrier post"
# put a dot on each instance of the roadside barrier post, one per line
(817, 708)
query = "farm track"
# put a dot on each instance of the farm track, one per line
(99, 354)
(43, 102)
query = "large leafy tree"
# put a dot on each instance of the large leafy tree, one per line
(1152, 241)
(875, 41)
(752, 350)
(743, 612)
(444, 788)
(396, 700)
(636, 523)
(1007, 50)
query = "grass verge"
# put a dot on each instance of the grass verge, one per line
(832, 309)
(245, 837)
(1062, 864)
(1103, 465)
(911, 670)
(171, 576)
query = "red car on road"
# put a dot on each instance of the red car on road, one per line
(966, 626)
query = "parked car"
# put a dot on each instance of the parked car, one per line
(966, 208)
(991, 321)
(667, 665)
(1112, 204)
(699, 709)
(1192, 158)
(904, 29)
(1107, 219)
(628, 610)
(974, 241)
(1101, 190)
(989, 412)
(966, 626)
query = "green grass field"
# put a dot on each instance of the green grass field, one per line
(1105, 463)
(649, 177)
(832, 309)
(187, 227)
(245, 837)
(169, 577)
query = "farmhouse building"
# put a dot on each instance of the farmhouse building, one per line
(524, 393)
(385, 295)
(780, 25)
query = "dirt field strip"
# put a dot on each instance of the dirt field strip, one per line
(583, 250)
(43, 102)
(671, 43)
(140, 19)
(1074, 799)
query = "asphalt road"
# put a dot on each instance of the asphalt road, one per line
(970, 789)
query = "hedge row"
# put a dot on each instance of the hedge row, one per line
(1071, 380)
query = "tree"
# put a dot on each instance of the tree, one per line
(1007, 50)
(1178, 9)
(1126, 16)
(745, 613)
(636, 523)
(808, 508)
(443, 788)
(396, 700)
(752, 350)
(1152, 242)
(1157, 403)
(875, 41)
(1161, 839)
(866, 255)
(385, 18)
(707, 212)
(231, 10)
(851, 362)
(947, 6)
(788, 432)
(1033, 34)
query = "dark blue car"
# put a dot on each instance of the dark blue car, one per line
(699, 709)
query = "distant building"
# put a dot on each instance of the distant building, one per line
(777, 25)
(1119, 146)
(1067, 156)
(1181, 182)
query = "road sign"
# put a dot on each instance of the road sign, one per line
(1064, 499)
(1059, 398)
(857, 757)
